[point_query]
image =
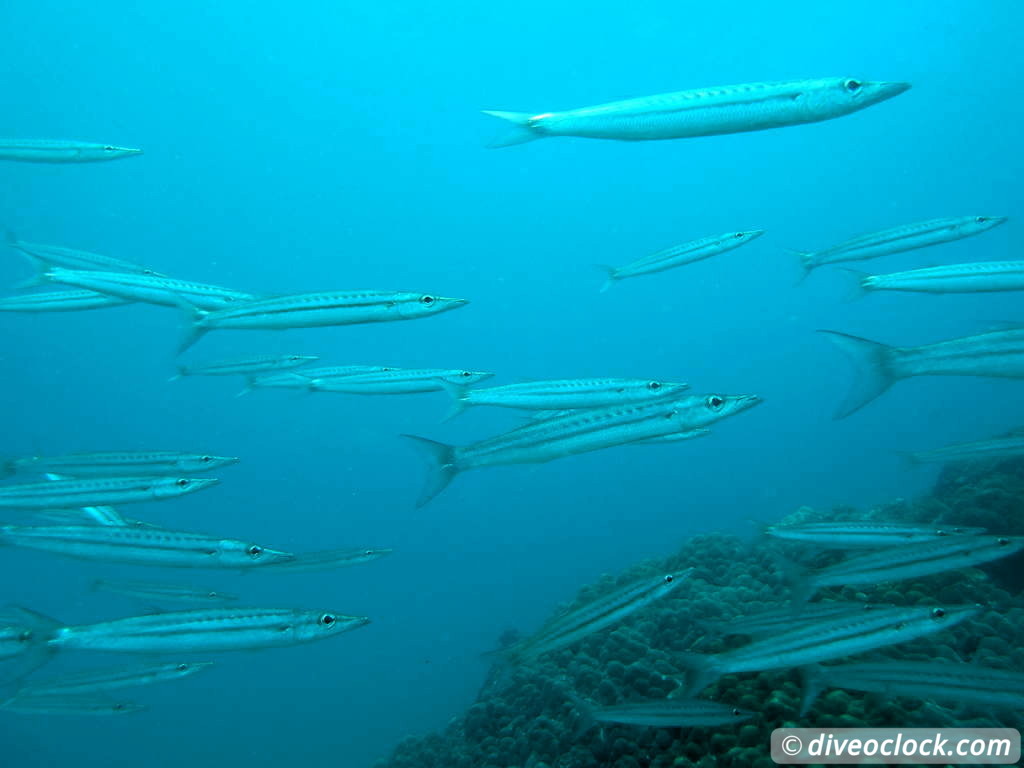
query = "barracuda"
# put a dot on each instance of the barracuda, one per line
(42, 256)
(328, 560)
(913, 560)
(906, 237)
(995, 448)
(576, 432)
(68, 705)
(93, 680)
(564, 394)
(150, 289)
(59, 301)
(309, 310)
(98, 492)
(59, 151)
(163, 592)
(831, 638)
(703, 112)
(250, 367)
(667, 713)
(397, 381)
(854, 534)
(981, 277)
(577, 623)
(213, 629)
(678, 255)
(945, 681)
(786, 618)
(119, 463)
(998, 354)
(141, 546)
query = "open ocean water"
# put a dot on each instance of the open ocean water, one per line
(331, 146)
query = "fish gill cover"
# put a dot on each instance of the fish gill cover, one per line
(304, 205)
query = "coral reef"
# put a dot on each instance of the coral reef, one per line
(523, 717)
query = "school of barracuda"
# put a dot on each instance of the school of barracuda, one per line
(73, 501)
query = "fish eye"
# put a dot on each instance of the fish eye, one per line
(654, 385)
(367, 551)
(212, 595)
(254, 550)
(715, 402)
(25, 636)
(738, 235)
(981, 219)
(183, 483)
(427, 300)
(206, 459)
(109, 149)
(938, 613)
(182, 667)
(1002, 542)
(327, 619)
(465, 374)
(736, 712)
(669, 578)
(852, 85)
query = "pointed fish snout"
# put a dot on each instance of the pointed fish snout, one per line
(276, 556)
(892, 89)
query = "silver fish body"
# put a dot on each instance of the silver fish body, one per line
(247, 366)
(59, 151)
(994, 448)
(59, 301)
(671, 713)
(832, 638)
(570, 627)
(916, 559)
(207, 630)
(397, 381)
(120, 463)
(68, 705)
(704, 112)
(140, 546)
(906, 237)
(566, 394)
(95, 680)
(162, 592)
(98, 491)
(997, 354)
(979, 277)
(150, 289)
(929, 680)
(854, 535)
(328, 560)
(310, 310)
(687, 253)
(577, 432)
(42, 255)
(786, 618)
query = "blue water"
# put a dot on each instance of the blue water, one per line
(320, 147)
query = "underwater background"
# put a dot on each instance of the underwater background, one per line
(334, 146)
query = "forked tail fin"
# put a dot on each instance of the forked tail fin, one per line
(459, 401)
(192, 329)
(610, 276)
(520, 130)
(442, 469)
(873, 370)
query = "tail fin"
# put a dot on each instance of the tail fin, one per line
(193, 330)
(249, 384)
(701, 671)
(442, 467)
(814, 684)
(459, 401)
(807, 264)
(182, 371)
(41, 277)
(521, 132)
(874, 370)
(859, 287)
(610, 281)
